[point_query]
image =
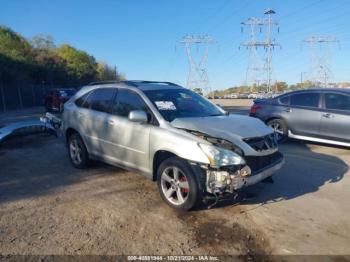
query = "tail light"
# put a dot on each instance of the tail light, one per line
(255, 108)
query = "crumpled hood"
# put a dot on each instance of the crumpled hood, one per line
(231, 127)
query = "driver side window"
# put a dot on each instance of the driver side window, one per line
(126, 101)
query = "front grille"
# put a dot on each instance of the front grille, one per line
(257, 163)
(262, 143)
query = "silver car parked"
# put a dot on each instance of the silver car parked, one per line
(317, 114)
(191, 147)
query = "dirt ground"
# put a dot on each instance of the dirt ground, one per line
(48, 207)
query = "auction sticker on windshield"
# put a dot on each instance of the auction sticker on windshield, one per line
(165, 105)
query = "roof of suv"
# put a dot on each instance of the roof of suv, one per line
(142, 85)
(345, 90)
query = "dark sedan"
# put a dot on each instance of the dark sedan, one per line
(320, 115)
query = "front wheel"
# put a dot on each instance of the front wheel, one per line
(280, 128)
(177, 184)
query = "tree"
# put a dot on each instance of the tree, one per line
(39, 60)
(14, 46)
(79, 65)
(16, 56)
(43, 42)
(106, 72)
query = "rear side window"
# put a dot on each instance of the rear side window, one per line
(284, 100)
(337, 101)
(101, 100)
(80, 101)
(127, 101)
(305, 99)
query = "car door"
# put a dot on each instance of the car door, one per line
(335, 122)
(93, 119)
(303, 115)
(128, 141)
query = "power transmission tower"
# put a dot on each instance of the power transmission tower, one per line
(321, 71)
(260, 70)
(197, 75)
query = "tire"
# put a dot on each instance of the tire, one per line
(77, 151)
(184, 192)
(280, 128)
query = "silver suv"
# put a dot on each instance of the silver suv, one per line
(191, 147)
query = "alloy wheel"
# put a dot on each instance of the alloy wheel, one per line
(175, 185)
(277, 127)
(76, 151)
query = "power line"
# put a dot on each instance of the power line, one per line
(283, 17)
(227, 17)
(213, 14)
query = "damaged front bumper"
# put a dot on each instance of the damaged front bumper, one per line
(229, 180)
(46, 123)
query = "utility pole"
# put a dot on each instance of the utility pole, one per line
(197, 75)
(260, 68)
(302, 77)
(320, 72)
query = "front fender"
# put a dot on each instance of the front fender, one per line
(181, 146)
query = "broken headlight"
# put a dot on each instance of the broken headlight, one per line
(219, 157)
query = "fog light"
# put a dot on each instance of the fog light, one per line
(246, 171)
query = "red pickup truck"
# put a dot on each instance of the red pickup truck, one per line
(57, 97)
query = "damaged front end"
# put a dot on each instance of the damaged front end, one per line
(230, 170)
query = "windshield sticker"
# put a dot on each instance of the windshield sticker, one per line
(165, 105)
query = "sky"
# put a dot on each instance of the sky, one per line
(141, 37)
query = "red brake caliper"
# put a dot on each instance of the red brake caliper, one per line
(183, 190)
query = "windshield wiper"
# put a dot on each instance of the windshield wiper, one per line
(216, 115)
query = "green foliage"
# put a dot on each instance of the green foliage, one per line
(79, 64)
(39, 61)
(106, 72)
(14, 46)
(43, 42)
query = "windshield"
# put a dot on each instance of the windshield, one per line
(180, 103)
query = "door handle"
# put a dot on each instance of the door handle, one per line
(288, 110)
(328, 115)
(81, 114)
(111, 122)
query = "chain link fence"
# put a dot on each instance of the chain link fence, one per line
(18, 96)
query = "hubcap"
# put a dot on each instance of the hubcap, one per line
(278, 129)
(75, 151)
(174, 185)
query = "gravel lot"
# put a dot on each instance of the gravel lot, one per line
(48, 207)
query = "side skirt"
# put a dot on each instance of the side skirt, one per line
(320, 140)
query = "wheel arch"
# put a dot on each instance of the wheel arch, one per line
(69, 132)
(162, 155)
(158, 158)
(276, 117)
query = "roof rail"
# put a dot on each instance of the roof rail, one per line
(134, 83)
(103, 82)
(150, 82)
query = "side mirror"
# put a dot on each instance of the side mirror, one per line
(138, 116)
